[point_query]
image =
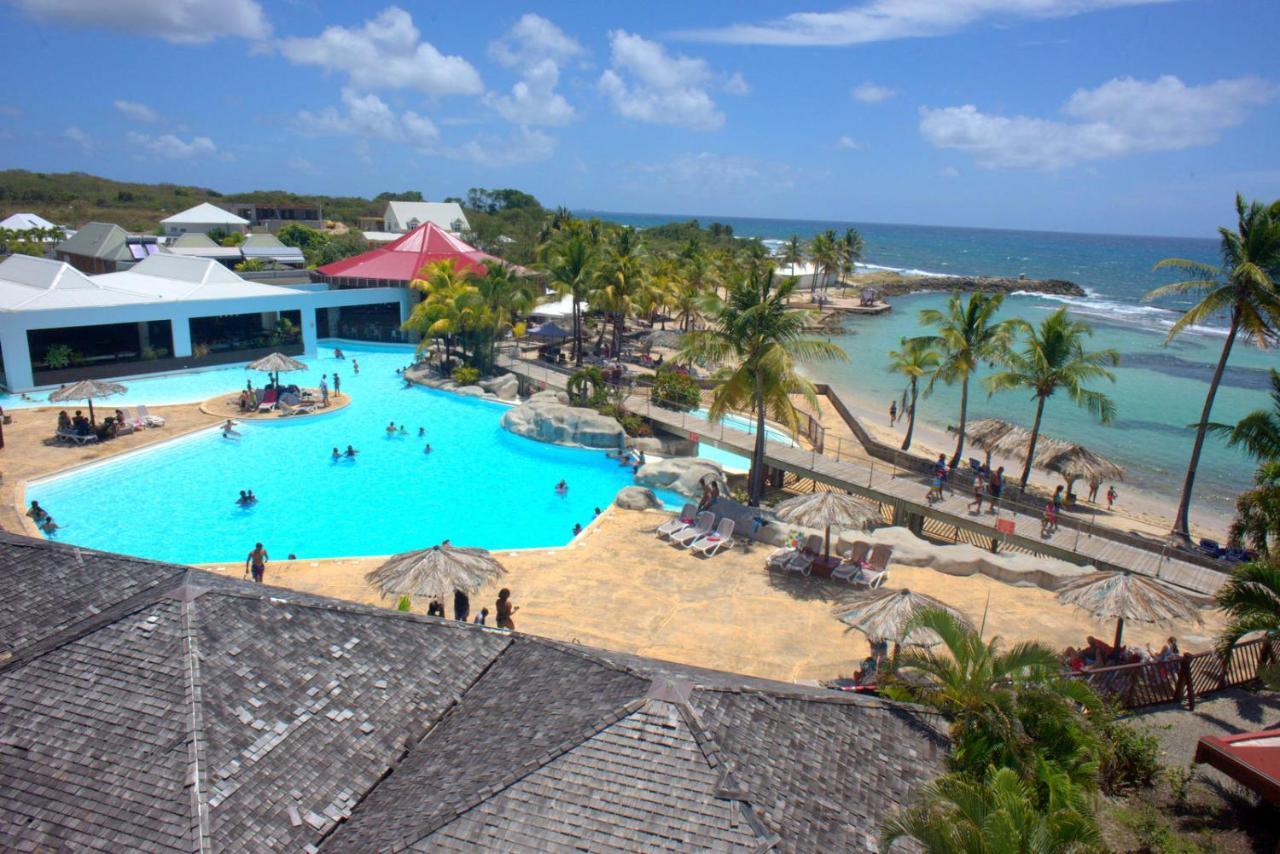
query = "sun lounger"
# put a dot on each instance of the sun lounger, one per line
(706, 519)
(147, 418)
(852, 564)
(79, 439)
(300, 409)
(709, 544)
(805, 556)
(268, 401)
(876, 572)
(678, 522)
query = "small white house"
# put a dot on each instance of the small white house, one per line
(202, 219)
(402, 217)
(26, 222)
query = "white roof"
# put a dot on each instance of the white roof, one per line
(205, 214)
(178, 277)
(23, 221)
(382, 236)
(443, 214)
(39, 284)
(562, 307)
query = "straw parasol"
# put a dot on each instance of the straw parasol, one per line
(885, 615)
(1127, 596)
(435, 572)
(1077, 462)
(86, 390)
(829, 510)
(277, 364)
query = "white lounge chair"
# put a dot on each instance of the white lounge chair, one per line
(686, 536)
(852, 564)
(876, 573)
(147, 418)
(681, 520)
(709, 544)
(73, 436)
(805, 556)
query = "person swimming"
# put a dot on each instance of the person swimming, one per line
(351, 452)
(404, 430)
(562, 487)
(48, 525)
(355, 366)
(337, 353)
(229, 431)
(336, 454)
(422, 431)
(253, 499)
(243, 500)
(391, 429)
(427, 449)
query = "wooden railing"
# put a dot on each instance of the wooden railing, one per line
(1184, 679)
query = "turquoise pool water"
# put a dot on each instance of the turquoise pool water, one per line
(480, 486)
(729, 460)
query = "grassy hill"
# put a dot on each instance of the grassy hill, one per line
(74, 198)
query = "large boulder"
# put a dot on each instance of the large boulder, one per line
(549, 395)
(505, 387)
(684, 475)
(550, 421)
(470, 391)
(668, 446)
(637, 498)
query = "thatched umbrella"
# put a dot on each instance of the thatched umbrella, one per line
(275, 365)
(86, 390)
(435, 572)
(1077, 461)
(1127, 596)
(829, 510)
(885, 615)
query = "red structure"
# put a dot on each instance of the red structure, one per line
(1252, 759)
(401, 260)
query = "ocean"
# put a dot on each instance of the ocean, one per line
(1159, 388)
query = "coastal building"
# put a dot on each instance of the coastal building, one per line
(103, 247)
(166, 312)
(148, 706)
(202, 219)
(197, 245)
(270, 217)
(268, 249)
(407, 216)
(27, 222)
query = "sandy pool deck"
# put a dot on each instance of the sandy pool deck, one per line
(618, 587)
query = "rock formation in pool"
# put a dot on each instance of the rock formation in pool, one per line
(545, 419)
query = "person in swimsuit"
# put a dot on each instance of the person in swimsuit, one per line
(257, 562)
(351, 452)
(505, 610)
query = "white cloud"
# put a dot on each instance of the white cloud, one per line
(301, 164)
(848, 143)
(870, 93)
(137, 111)
(386, 53)
(949, 172)
(538, 48)
(367, 116)
(181, 21)
(737, 84)
(1119, 118)
(663, 89)
(708, 173)
(523, 146)
(882, 20)
(170, 146)
(79, 137)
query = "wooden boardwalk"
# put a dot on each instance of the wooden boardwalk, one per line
(904, 492)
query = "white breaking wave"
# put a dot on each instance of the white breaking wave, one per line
(908, 271)
(1149, 317)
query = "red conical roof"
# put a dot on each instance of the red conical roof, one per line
(403, 258)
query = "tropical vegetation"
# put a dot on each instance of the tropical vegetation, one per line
(760, 340)
(1053, 358)
(1243, 288)
(915, 360)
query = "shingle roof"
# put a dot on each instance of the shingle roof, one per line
(98, 240)
(151, 706)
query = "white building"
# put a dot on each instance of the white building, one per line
(202, 219)
(166, 313)
(26, 222)
(406, 216)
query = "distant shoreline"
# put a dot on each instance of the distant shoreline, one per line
(893, 284)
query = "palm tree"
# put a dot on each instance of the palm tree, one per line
(792, 252)
(1243, 288)
(1054, 358)
(916, 359)
(569, 271)
(620, 277)
(1251, 598)
(1259, 431)
(506, 296)
(822, 252)
(967, 336)
(851, 249)
(755, 328)
(1257, 521)
(998, 814)
(449, 307)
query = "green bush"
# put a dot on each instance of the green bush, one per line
(674, 390)
(1129, 758)
(463, 375)
(634, 426)
(405, 604)
(60, 356)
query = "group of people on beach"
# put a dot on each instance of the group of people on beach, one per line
(462, 610)
(1097, 653)
(41, 517)
(82, 426)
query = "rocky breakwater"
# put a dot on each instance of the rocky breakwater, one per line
(546, 418)
(893, 285)
(684, 475)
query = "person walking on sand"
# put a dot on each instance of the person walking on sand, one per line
(257, 562)
(481, 617)
(337, 384)
(995, 486)
(505, 610)
(893, 412)
(1094, 483)
(461, 605)
(979, 489)
(324, 389)
(1112, 495)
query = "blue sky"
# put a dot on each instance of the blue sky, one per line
(1081, 115)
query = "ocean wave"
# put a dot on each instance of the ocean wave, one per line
(1149, 317)
(907, 271)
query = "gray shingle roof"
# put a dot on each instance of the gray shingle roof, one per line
(150, 706)
(98, 240)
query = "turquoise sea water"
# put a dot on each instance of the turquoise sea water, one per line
(1159, 387)
(480, 486)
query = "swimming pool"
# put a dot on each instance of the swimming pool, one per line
(728, 460)
(479, 486)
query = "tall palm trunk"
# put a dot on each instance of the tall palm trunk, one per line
(1182, 522)
(756, 486)
(964, 418)
(577, 332)
(1031, 445)
(911, 416)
